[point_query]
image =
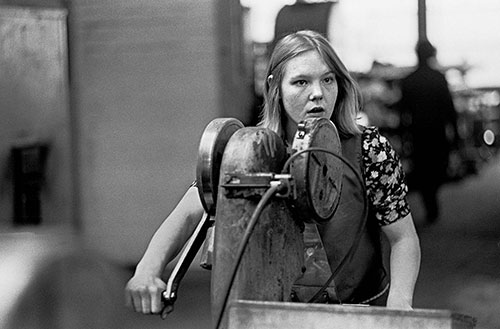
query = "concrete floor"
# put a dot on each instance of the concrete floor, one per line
(461, 253)
(460, 260)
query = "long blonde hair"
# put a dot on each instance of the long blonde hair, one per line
(348, 100)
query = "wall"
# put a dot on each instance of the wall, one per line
(34, 105)
(145, 82)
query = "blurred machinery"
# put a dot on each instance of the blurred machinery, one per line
(478, 118)
(479, 129)
(28, 163)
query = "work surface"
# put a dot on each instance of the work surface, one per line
(280, 315)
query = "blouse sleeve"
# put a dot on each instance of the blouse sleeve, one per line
(384, 178)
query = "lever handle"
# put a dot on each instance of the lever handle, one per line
(169, 296)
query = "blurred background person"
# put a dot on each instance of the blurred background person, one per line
(426, 98)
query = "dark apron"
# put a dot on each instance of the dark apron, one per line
(363, 278)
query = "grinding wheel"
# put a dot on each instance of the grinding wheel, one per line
(317, 174)
(212, 145)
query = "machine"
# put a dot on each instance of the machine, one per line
(262, 203)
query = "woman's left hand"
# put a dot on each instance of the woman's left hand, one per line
(397, 301)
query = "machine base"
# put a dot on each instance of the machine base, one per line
(245, 314)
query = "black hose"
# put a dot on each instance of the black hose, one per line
(248, 231)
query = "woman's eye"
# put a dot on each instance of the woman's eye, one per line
(329, 80)
(300, 82)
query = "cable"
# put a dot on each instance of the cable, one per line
(260, 207)
(361, 225)
(248, 231)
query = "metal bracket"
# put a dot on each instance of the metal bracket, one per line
(240, 185)
(301, 130)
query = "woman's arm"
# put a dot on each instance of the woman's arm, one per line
(404, 262)
(144, 289)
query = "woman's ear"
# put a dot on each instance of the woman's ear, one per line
(269, 79)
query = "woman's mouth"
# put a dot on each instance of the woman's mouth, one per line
(316, 110)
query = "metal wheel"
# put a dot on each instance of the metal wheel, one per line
(213, 142)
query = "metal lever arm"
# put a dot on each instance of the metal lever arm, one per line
(188, 254)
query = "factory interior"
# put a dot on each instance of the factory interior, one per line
(103, 108)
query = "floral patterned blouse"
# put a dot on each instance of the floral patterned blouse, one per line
(384, 178)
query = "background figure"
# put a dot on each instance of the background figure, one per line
(427, 100)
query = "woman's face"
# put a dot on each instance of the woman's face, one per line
(309, 88)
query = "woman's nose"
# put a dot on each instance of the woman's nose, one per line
(316, 92)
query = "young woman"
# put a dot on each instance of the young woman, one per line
(305, 78)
